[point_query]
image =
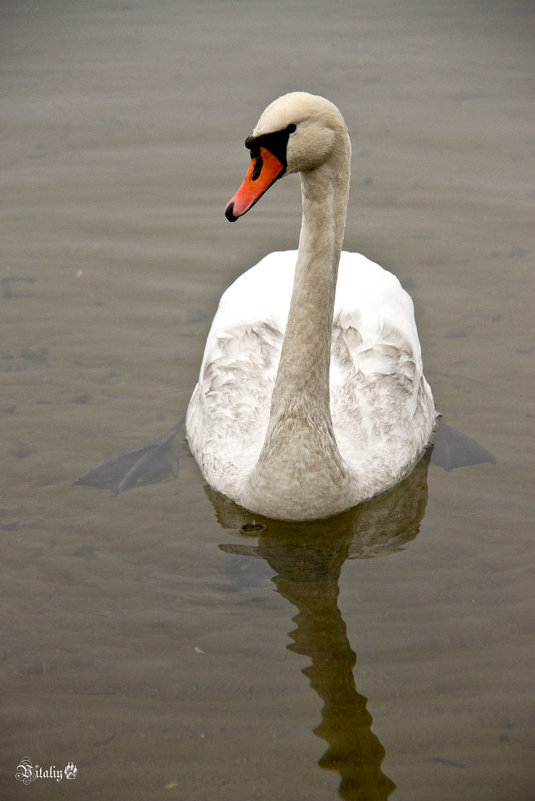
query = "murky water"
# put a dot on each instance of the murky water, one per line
(141, 641)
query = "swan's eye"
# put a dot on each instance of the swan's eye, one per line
(276, 142)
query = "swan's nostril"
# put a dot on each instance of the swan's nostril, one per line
(257, 168)
(229, 213)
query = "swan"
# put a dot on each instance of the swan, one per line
(311, 395)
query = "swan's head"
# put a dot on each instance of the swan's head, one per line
(298, 132)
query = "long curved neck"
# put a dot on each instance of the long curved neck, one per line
(303, 373)
(300, 443)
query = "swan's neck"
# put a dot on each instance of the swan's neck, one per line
(303, 373)
(300, 450)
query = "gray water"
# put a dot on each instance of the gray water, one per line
(140, 639)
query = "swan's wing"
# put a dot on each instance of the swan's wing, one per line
(228, 414)
(381, 402)
(375, 346)
(243, 346)
(260, 294)
(237, 377)
(380, 398)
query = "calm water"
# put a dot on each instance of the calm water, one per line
(141, 640)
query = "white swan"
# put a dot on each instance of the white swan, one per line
(310, 399)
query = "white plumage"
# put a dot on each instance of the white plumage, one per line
(381, 406)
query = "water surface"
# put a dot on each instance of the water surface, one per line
(145, 638)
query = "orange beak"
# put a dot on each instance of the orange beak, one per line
(263, 171)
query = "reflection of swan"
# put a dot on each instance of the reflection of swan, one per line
(298, 414)
(307, 559)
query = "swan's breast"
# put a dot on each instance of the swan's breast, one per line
(378, 394)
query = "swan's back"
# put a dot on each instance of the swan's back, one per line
(381, 405)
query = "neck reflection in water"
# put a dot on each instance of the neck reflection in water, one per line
(307, 559)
